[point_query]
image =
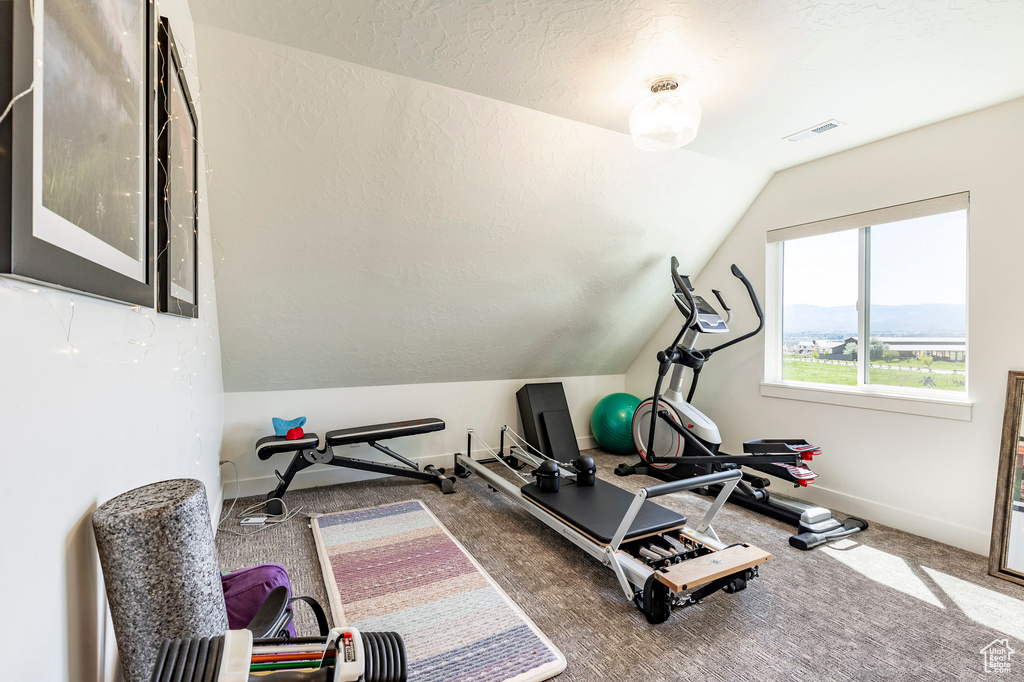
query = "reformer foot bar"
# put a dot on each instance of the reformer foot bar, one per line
(307, 454)
(655, 556)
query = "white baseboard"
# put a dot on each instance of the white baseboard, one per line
(970, 539)
(321, 475)
(947, 532)
(218, 504)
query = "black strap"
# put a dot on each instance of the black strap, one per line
(712, 587)
(318, 611)
(707, 590)
(273, 616)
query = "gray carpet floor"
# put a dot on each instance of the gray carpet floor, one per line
(887, 606)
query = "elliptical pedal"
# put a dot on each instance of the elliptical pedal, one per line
(810, 540)
(794, 473)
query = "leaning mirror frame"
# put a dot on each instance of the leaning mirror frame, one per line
(1006, 554)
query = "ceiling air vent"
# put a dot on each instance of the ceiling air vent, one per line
(831, 124)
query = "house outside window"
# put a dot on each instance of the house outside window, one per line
(872, 303)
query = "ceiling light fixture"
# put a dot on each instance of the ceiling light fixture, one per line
(668, 119)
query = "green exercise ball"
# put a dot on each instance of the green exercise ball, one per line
(612, 422)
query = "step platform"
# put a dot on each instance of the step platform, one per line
(597, 510)
(707, 568)
(793, 473)
(782, 446)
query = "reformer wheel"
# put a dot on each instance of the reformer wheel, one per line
(656, 601)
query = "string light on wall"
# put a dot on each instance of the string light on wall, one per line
(668, 119)
(180, 349)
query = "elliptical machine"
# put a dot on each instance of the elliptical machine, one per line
(690, 445)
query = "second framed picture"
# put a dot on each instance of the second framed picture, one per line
(177, 183)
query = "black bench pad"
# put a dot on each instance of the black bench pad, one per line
(375, 432)
(268, 446)
(598, 510)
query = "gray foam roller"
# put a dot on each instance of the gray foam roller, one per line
(160, 567)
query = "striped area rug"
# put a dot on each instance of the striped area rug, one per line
(397, 568)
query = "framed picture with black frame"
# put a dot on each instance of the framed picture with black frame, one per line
(177, 183)
(82, 205)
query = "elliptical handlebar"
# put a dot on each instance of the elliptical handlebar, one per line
(691, 314)
(738, 274)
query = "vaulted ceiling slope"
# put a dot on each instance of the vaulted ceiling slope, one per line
(408, 191)
(763, 70)
(381, 230)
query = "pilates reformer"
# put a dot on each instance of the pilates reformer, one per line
(659, 561)
(307, 453)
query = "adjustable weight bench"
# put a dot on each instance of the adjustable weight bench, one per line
(307, 454)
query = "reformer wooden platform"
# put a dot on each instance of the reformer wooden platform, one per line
(702, 570)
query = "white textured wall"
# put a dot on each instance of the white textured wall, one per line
(484, 406)
(141, 401)
(380, 230)
(934, 477)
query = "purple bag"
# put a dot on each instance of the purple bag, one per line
(246, 589)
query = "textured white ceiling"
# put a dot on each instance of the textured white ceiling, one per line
(381, 230)
(762, 69)
(411, 192)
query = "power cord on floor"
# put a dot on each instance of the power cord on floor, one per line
(264, 521)
(223, 515)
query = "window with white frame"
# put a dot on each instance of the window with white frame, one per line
(875, 302)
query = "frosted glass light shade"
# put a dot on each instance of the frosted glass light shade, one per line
(666, 120)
